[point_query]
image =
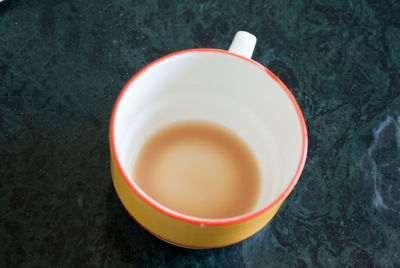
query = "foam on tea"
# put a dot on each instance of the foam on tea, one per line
(198, 169)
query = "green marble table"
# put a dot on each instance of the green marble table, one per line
(63, 63)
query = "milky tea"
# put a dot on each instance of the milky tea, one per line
(198, 169)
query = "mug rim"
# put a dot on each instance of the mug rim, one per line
(205, 221)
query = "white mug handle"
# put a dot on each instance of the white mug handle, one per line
(243, 44)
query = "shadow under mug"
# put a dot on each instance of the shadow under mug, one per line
(227, 88)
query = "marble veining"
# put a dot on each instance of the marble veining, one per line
(376, 176)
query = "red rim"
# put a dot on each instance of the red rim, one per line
(215, 222)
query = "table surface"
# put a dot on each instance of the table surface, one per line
(63, 63)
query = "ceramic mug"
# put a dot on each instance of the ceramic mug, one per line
(227, 88)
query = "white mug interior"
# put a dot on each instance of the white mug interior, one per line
(221, 88)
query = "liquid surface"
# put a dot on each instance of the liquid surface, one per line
(198, 169)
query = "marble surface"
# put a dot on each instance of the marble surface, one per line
(62, 64)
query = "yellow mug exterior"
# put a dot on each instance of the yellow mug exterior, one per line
(183, 233)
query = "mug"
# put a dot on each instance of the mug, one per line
(229, 89)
